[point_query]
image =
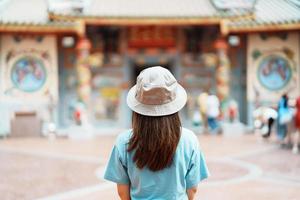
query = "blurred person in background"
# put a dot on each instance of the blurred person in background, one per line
(284, 117)
(212, 113)
(297, 125)
(157, 158)
(264, 118)
(233, 111)
(202, 99)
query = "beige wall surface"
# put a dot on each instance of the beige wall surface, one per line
(14, 48)
(260, 47)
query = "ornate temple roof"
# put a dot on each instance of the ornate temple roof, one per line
(148, 12)
(233, 15)
(269, 15)
(31, 15)
(72, 15)
(150, 9)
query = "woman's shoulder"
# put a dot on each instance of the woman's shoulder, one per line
(188, 133)
(124, 137)
(122, 141)
(188, 136)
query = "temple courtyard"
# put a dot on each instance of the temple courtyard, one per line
(242, 167)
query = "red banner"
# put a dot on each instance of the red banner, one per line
(151, 37)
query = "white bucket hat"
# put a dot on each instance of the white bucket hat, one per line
(156, 93)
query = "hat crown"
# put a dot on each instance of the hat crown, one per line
(156, 86)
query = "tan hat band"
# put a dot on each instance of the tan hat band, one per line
(155, 96)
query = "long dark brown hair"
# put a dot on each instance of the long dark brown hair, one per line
(154, 140)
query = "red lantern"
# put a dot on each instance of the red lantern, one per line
(83, 44)
(221, 44)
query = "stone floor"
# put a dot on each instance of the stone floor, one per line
(242, 167)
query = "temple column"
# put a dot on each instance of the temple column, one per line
(222, 72)
(83, 70)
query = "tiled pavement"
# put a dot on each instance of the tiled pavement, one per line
(242, 168)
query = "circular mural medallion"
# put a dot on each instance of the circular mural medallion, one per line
(28, 74)
(274, 72)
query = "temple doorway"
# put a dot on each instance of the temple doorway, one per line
(137, 68)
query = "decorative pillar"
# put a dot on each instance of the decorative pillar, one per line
(223, 75)
(83, 70)
(223, 70)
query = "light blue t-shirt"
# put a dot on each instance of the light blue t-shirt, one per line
(187, 170)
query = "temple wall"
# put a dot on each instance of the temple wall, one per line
(29, 76)
(272, 68)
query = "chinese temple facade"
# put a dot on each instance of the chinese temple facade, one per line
(78, 61)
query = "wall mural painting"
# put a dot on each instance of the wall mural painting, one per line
(275, 70)
(27, 72)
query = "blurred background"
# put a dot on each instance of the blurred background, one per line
(67, 65)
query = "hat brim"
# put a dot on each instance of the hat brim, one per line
(157, 110)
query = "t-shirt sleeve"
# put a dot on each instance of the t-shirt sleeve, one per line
(197, 170)
(116, 170)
